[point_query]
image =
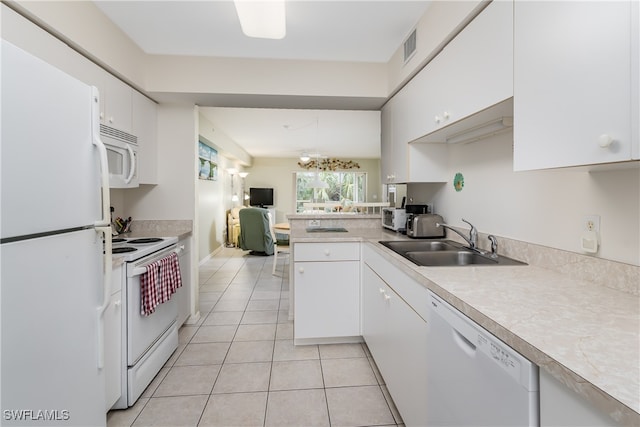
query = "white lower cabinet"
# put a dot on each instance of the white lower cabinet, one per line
(560, 406)
(397, 339)
(113, 340)
(326, 292)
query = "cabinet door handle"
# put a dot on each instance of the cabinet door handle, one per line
(446, 115)
(301, 270)
(117, 303)
(605, 140)
(437, 119)
(386, 297)
(327, 252)
(381, 291)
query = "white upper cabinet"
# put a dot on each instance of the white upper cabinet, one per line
(575, 83)
(144, 118)
(393, 149)
(387, 152)
(117, 104)
(472, 73)
(402, 162)
(456, 90)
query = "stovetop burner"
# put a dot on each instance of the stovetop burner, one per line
(145, 240)
(118, 240)
(122, 250)
(133, 249)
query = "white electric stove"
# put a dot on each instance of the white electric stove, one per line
(147, 340)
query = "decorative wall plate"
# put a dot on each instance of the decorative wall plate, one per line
(458, 182)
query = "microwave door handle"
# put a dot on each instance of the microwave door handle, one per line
(104, 164)
(132, 163)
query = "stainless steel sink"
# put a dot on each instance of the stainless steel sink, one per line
(445, 253)
(326, 230)
(402, 246)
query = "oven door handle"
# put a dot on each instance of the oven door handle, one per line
(141, 270)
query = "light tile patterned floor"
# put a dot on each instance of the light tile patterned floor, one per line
(238, 366)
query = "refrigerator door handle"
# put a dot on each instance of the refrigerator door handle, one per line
(104, 164)
(132, 163)
(106, 287)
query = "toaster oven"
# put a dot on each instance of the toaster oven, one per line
(394, 219)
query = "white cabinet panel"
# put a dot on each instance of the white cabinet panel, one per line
(402, 162)
(474, 71)
(118, 102)
(144, 122)
(386, 143)
(397, 339)
(572, 83)
(327, 299)
(560, 406)
(326, 251)
(326, 283)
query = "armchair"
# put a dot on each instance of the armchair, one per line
(233, 225)
(255, 231)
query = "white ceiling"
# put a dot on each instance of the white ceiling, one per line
(332, 30)
(329, 30)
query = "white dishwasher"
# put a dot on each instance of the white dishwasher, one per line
(473, 378)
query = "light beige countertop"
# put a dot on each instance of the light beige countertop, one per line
(584, 334)
(159, 228)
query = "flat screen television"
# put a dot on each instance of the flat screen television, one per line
(261, 197)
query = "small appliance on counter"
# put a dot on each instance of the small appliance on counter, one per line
(413, 210)
(394, 219)
(424, 226)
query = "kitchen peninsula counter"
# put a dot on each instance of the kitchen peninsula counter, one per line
(584, 334)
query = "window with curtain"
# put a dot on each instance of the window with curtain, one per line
(343, 187)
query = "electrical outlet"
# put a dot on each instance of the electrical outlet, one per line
(591, 223)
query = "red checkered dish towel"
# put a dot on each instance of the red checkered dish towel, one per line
(161, 280)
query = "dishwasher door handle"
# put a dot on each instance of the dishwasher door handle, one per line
(467, 346)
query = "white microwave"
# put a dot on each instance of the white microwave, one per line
(122, 156)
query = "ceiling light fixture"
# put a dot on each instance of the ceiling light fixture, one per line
(243, 174)
(304, 157)
(264, 19)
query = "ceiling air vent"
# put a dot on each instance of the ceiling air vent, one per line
(410, 46)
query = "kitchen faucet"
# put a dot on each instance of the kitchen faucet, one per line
(472, 240)
(494, 245)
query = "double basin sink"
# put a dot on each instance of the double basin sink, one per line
(445, 253)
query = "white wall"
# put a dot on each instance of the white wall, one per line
(214, 197)
(173, 197)
(278, 173)
(210, 217)
(91, 33)
(542, 207)
(265, 77)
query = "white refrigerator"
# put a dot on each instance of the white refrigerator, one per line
(55, 246)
